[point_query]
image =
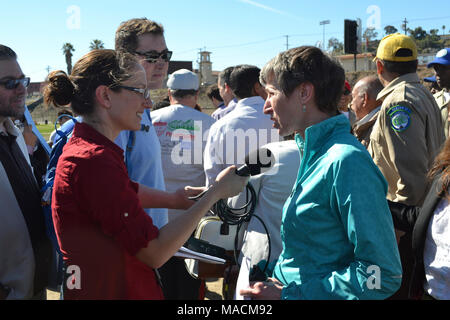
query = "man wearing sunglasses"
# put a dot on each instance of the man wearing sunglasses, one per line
(25, 251)
(145, 39)
(13, 92)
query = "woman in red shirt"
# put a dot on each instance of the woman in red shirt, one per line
(108, 241)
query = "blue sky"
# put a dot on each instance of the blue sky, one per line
(235, 31)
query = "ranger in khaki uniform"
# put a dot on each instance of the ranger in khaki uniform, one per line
(441, 65)
(407, 134)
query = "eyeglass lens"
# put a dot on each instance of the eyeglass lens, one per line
(14, 83)
(153, 56)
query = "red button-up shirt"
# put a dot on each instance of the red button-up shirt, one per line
(100, 222)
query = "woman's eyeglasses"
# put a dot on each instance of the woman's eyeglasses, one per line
(14, 83)
(145, 92)
(153, 55)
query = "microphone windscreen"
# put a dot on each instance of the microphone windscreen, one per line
(259, 161)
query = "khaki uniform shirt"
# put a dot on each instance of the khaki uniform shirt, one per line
(443, 105)
(406, 138)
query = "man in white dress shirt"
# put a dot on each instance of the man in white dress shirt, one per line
(245, 129)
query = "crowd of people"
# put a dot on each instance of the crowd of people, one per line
(355, 206)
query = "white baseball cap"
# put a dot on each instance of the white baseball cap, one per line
(183, 79)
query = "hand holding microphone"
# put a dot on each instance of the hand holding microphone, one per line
(229, 184)
(256, 162)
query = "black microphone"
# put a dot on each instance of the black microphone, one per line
(256, 162)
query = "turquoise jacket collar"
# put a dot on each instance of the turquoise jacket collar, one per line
(315, 136)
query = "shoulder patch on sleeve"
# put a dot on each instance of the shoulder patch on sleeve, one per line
(400, 117)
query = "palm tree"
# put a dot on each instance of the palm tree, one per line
(67, 51)
(96, 44)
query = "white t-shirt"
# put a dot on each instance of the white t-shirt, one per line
(436, 256)
(182, 133)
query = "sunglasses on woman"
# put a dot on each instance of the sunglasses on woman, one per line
(145, 92)
(153, 55)
(14, 83)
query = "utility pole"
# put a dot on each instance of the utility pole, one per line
(287, 42)
(405, 25)
(323, 23)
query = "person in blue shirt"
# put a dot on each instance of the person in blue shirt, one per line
(337, 231)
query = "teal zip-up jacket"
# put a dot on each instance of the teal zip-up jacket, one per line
(337, 230)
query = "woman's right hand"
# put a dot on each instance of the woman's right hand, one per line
(228, 183)
(175, 233)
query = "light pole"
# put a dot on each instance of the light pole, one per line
(323, 23)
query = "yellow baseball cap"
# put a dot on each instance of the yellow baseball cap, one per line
(397, 48)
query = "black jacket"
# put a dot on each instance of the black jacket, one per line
(416, 220)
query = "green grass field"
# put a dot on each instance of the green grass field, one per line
(46, 130)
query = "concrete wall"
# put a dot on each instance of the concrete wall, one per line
(363, 63)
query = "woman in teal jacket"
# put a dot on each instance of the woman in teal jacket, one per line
(337, 230)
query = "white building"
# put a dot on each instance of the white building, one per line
(205, 66)
(364, 62)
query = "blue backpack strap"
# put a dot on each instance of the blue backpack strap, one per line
(60, 133)
(57, 274)
(47, 189)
